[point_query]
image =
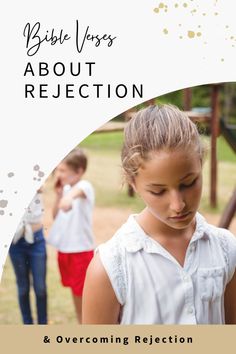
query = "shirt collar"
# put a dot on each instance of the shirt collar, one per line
(136, 239)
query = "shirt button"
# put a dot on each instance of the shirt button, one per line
(186, 278)
(190, 310)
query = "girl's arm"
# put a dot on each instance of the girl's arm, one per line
(230, 301)
(100, 305)
(66, 201)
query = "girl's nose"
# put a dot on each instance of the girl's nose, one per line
(177, 203)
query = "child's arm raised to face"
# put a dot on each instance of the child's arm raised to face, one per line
(100, 305)
(66, 201)
(230, 301)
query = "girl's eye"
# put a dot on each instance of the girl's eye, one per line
(157, 193)
(189, 185)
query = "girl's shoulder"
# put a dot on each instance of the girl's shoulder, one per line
(213, 232)
(224, 236)
(129, 237)
(226, 242)
(113, 256)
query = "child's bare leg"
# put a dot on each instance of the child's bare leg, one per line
(78, 307)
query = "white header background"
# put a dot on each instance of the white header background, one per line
(153, 47)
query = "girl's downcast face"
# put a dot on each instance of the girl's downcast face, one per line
(170, 184)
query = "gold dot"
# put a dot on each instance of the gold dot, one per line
(204, 14)
(165, 31)
(191, 34)
(232, 37)
(222, 59)
(216, 14)
(165, 10)
(185, 5)
(161, 5)
(176, 5)
(156, 10)
(180, 37)
(199, 34)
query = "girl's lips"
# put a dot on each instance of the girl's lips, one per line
(180, 217)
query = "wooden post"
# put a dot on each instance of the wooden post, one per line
(187, 99)
(214, 134)
(229, 212)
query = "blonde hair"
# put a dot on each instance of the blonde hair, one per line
(153, 129)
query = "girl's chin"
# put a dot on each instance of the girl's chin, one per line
(177, 224)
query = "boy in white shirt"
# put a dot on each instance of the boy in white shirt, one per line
(71, 232)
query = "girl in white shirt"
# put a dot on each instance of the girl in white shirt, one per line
(166, 265)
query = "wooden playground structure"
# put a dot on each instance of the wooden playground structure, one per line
(217, 126)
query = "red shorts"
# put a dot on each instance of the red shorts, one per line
(73, 267)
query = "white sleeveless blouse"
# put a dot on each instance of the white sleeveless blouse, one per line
(153, 288)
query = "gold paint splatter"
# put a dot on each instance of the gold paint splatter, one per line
(165, 31)
(156, 10)
(185, 5)
(176, 5)
(199, 34)
(161, 5)
(191, 34)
